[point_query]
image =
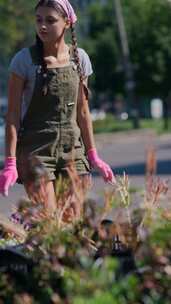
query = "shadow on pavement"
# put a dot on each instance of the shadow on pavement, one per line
(163, 168)
(164, 147)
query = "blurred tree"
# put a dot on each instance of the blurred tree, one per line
(101, 45)
(149, 34)
(16, 30)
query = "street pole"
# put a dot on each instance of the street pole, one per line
(127, 65)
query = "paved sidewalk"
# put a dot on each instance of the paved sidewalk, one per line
(124, 152)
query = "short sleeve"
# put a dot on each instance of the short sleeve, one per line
(19, 63)
(85, 62)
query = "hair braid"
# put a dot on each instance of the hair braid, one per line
(75, 49)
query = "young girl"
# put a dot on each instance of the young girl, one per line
(48, 114)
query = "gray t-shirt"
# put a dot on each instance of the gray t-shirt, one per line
(22, 65)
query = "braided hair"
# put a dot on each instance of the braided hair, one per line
(75, 49)
(39, 44)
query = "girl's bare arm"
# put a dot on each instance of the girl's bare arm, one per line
(15, 91)
(84, 119)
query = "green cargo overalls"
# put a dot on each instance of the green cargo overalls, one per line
(49, 129)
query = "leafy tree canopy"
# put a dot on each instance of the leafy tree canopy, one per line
(149, 35)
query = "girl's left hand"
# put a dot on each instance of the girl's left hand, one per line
(101, 166)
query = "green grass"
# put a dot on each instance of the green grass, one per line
(111, 124)
(157, 125)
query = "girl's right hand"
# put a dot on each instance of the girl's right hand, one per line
(8, 176)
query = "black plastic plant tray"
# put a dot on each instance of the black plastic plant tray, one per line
(12, 260)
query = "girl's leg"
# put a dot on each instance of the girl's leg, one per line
(35, 195)
(70, 200)
(45, 194)
(51, 197)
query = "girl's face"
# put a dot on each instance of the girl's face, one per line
(50, 25)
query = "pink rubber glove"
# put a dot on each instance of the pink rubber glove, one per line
(100, 165)
(8, 176)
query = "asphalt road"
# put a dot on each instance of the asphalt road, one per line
(124, 152)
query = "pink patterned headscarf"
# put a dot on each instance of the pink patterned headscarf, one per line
(67, 7)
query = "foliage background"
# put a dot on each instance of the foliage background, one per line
(149, 33)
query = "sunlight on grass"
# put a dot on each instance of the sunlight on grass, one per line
(111, 124)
